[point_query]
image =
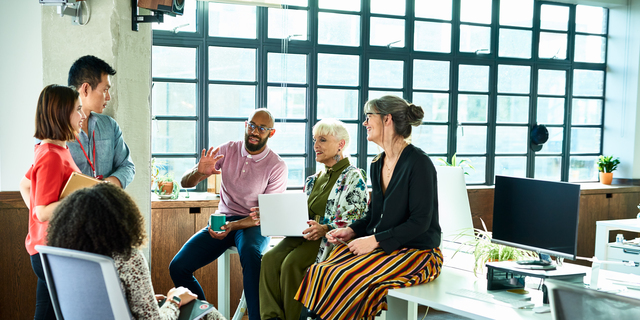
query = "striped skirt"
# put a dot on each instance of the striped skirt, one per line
(346, 286)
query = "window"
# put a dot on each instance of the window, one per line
(484, 71)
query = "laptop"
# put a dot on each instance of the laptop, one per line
(283, 214)
(193, 310)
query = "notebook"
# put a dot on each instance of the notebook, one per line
(193, 310)
(77, 181)
(283, 214)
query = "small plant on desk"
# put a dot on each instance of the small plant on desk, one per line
(167, 187)
(454, 163)
(487, 251)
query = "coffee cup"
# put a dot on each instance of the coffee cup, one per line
(217, 220)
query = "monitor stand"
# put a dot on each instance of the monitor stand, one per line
(543, 260)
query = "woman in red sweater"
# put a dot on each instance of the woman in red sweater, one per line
(58, 118)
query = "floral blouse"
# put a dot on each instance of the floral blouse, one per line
(136, 282)
(347, 202)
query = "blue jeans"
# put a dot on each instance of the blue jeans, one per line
(202, 249)
(44, 307)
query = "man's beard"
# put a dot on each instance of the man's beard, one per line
(254, 147)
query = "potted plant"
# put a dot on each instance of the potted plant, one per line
(167, 187)
(156, 167)
(462, 163)
(487, 251)
(606, 166)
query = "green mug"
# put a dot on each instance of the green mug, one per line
(217, 220)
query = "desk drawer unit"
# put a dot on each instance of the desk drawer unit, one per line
(621, 252)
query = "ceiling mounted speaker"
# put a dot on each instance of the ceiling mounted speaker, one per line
(171, 7)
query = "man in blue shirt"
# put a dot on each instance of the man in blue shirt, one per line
(99, 150)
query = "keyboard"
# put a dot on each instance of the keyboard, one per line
(513, 302)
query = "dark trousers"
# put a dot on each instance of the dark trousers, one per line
(44, 307)
(202, 249)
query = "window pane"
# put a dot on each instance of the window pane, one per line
(553, 45)
(338, 29)
(223, 132)
(387, 32)
(585, 140)
(551, 82)
(287, 102)
(478, 173)
(295, 174)
(473, 78)
(173, 136)
(472, 108)
(429, 138)
(289, 138)
(513, 109)
(231, 100)
(548, 168)
(173, 62)
(513, 79)
(583, 169)
(550, 111)
(474, 39)
(518, 13)
(392, 7)
(586, 111)
(234, 64)
(386, 73)
(511, 139)
(514, 43)
(511, 166)
(176, 99)
(374, 94)
(430, 74)
(337, 103)
(589, 83)
(338, 69)
(299, 3)
(472, 139)
(373, 148)
(287, 68)
(554, 17)
(590, 49)
(554, 144)
(287, 24)
(434, 9)
(432, 36)
(348, 5)
(175, 166)
(591, 19)
(184, 23)
(434, 105)
(352, 129)
(478, 11)
(232, 21)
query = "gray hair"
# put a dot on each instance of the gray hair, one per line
(332, 127)
(404, 114)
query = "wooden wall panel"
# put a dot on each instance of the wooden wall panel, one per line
(481, 203)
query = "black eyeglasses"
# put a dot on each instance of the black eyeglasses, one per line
(261, 129)
(368, 114)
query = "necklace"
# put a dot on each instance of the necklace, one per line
(388, 164)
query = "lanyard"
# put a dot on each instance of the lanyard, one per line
(94, 155)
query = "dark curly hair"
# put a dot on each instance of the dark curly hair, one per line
(102, 219)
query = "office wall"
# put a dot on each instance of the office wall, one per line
(20, 84)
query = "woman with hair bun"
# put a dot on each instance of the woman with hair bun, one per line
(396, 244)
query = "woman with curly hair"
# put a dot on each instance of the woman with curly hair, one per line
(59, 117)
(396, 244)
(337, 196)
(103, 219)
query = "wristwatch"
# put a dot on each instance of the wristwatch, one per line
(176, 300)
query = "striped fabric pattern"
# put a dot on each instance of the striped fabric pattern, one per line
(346, 286)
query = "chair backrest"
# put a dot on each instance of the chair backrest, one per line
(83, 285)
(453, 204)
(574, 301)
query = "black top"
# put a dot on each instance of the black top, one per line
(406, 215)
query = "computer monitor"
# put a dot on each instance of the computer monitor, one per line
(536, 215)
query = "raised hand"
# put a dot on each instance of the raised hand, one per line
(208, 159)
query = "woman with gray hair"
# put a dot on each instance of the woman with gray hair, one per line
(337, 196)
(396, 244)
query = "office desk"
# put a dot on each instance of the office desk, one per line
(402, 303)
(604, 251)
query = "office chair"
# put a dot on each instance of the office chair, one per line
(83, 285)
(574, 301)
